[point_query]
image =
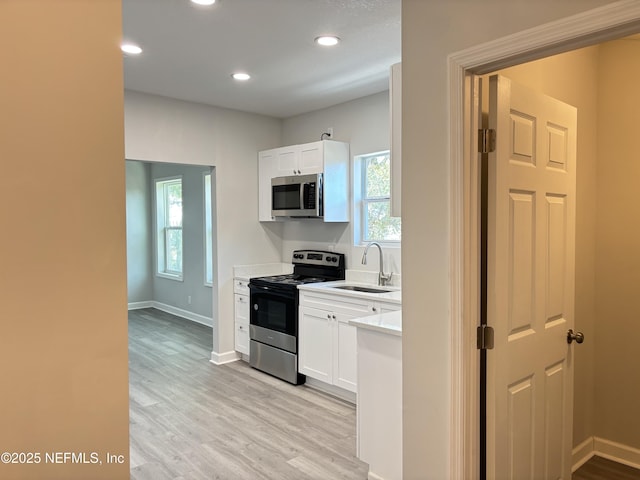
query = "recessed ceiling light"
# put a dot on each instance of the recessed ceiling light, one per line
(327, 41)
(204, 2)
(131, 48)
(241, 76)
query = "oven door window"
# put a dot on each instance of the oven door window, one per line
(286, 197)
(273, 310)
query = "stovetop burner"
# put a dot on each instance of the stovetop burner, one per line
(294, 279)
(309, 266)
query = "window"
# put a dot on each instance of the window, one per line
(208, 232)
(169, 227)
(376, 221)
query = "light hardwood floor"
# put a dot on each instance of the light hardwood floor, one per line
(194, 420)
(598, 468)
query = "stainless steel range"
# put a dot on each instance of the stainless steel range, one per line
(273, 320)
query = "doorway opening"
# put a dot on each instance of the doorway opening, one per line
(170, 262)
(466, 205)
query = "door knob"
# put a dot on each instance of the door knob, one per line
(577, 336)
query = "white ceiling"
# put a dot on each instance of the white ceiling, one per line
(190, 51)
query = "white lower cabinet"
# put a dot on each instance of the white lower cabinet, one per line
(241, 316)
(328, 347)
(327, 342)
(345, 358)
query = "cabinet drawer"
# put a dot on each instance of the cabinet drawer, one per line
(241, 308)
(335, 303)
(384, 307)
(241, 286)
(242, 337)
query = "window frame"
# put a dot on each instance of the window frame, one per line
(163, 230)
(362, 201)
(208, 228)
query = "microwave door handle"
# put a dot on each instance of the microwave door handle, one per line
(302, 184)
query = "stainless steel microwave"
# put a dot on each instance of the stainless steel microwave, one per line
(297, 196)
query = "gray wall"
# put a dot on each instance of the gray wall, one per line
(159, 129)
(364, 124)
(139, 235)
(143, 283)
(162, 130)
(172, 292)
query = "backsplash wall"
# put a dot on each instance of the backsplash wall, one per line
(364, 124)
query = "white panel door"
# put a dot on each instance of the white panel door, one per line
(530, 284)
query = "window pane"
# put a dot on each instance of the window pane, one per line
(379, 224)
(378, 176)
(208, 247)
(174, 250)
(174, 204)
(372, 194)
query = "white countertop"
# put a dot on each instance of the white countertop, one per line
(394, 296)
(246, 272)
(389, 323)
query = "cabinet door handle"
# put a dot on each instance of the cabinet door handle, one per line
(333, 316)
(329, 316)
(374, 309)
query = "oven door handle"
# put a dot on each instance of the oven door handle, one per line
(289, 295)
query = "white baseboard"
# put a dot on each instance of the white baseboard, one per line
(582, 453)
(226, 357)
(606, 449)
(139, 305)
(179, 312)
(617, 452)
(332, 390)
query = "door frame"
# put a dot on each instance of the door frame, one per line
(605, 23)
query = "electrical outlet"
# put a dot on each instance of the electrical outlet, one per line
(189, 299)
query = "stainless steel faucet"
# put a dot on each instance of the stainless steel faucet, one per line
(383, 278)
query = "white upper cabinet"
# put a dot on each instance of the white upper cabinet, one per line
(395, 102)
(267, 169)
(328, 157)
(299, 159)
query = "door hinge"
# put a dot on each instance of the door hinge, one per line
(486, 140)
(485, 337)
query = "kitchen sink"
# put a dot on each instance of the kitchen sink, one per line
(359, 288)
